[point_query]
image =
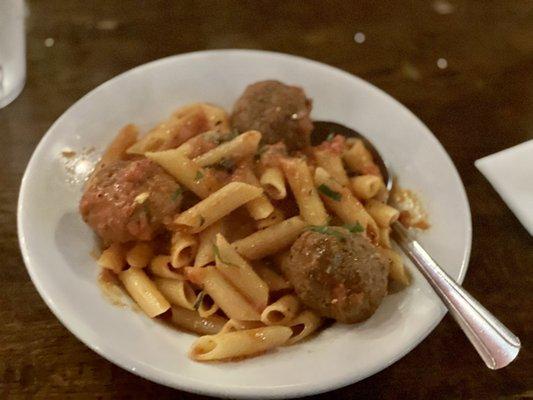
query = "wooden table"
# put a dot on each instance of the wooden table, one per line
(477, 99)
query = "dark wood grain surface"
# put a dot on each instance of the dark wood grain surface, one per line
(480, 103)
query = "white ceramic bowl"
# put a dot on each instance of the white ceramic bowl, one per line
(56, 244)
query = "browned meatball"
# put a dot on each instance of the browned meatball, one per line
(278, 111)
(129, 200)
(337, 274)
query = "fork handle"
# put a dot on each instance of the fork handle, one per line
(496, 344)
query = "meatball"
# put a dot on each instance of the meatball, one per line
(278, 111)
(129, 200)
(337, 274)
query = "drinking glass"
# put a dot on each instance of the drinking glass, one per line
(12, 50)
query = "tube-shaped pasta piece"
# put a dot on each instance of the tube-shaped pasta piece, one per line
(144, 292)
(177, 291)
(397, 271)
(183, 249)
(275, 218)
(384, 237)
(197, 179)
(223, 293)
(113, 258)
(365, 187)
(205, 253)
(359, 159)
(191, 321)
(184, 123)
(303, 325)
(235, 325)
(260, 207)
(270, 240)
(217, 205)
(239, 343)
(237, 271)
(273, 182)
(242, 146)
(300, 180)
(206, 305)
(274, 281)
(383, 214)
(341, 201)
(126, 137)
(139, 255)
(281, 311)
(161, 266)
(332, 162)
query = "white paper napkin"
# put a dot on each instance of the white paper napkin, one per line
(511, 173)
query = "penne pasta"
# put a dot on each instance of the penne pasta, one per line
(177, 291)
(182, 125)
(217, 205)
(239, 343)
(359, 159)
(206, 241)
(126, 137)
(384, 237)
(235, 325)
(301, 182)
(139, 255)
(274, 281)
(303, 325)
(397, 271)
(281, 311)
(275, 218)
(244, 145)
(270, 240)
(160, 266)
(113, 258)
(341, 201)
(183, 249)
(273, 182)
(205, 305)
(195, 178)
(224, 294)
(383, 214)
(260, 207)
(144, 292)
(332, 162)
(239, 273)
(191, 321)
(365, 187)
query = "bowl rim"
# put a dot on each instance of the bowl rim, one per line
(210, 388)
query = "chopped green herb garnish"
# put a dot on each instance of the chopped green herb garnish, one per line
(176, 194)
(215, 250)
(330, 137)
(199, 300)
(354, 228)
(225, 164)
(326, 230)
(202, 220)
(327, 191)
(198, 176)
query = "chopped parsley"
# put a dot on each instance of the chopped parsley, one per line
(176, 194)
(198, 176)
(199, 300)
(216, 251)
(354, 228)
(326, 230)
(225, 164)
(330, 137)
(331, 231)
(327, 191)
